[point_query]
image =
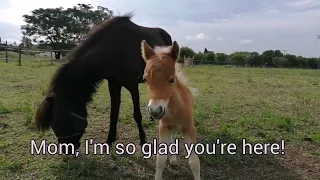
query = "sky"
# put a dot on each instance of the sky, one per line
(218, 25)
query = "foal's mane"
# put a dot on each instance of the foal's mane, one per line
(181, 78)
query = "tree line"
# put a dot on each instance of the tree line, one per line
(268, 58)
(60, 28)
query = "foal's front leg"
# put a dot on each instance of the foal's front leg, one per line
(172, 157)
(164, 134)
(194, 162)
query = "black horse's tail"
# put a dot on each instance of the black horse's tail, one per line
(44, 112)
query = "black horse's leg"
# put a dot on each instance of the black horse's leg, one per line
(134, 91)
(115, 96)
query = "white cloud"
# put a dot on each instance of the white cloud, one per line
(219, 39)
(304, 3)
(246, 41)
(199, 36)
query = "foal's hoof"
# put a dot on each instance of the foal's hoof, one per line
(173, 162)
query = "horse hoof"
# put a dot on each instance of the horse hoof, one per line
(142, 143)
(173, 162)
(109, 143)
(67, 157)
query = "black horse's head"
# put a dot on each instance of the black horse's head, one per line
(68, 119)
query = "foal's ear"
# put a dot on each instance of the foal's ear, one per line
(146, 50)
(175, 51)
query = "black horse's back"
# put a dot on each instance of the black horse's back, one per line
(111, 51)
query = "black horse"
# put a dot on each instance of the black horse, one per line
(111, 51)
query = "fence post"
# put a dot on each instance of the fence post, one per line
(6, 51)
(192, 61)
(19, 56)
(51, 58)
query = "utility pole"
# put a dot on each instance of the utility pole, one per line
(285, 52)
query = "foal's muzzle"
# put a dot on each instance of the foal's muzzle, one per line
(157, 112)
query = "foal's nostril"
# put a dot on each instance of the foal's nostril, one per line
(160, 110)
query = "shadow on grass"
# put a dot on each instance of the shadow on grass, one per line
(103, 167)
(237, 166)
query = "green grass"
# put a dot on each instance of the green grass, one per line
(260, 105)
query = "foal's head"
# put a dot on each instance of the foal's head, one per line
(160, 76)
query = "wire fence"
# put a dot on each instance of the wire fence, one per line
(10, 54)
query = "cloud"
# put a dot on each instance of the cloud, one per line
(246, 41)
(10, 32)
(224, 24)
(219, 39)
(199, 36)
(304, 3)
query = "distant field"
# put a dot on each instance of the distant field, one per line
(261, 105)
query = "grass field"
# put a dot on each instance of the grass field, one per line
(261, 105)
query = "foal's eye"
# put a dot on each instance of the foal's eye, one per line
(171, 80)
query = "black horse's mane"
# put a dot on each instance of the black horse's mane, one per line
(72, 82)
(80, 50)
(95, 33)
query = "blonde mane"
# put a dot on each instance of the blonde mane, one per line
(182, 79)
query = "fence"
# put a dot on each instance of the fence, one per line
(190, 61)
(30, 54)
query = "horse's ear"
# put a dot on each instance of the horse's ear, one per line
(146, 51)
(175, 51)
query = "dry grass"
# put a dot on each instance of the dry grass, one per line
(261, 105)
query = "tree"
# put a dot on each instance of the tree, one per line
(313, 63)
(221, 57)
(26, 42)
(62, 28)
(238, 59)
(210, 57)
(199, 57)
(278, 53)
(254, 59)
(185, 51)
(267, 57)
(292, 60)
(302, 62)
(279, 61)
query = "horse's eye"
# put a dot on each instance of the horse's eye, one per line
(171, 80)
